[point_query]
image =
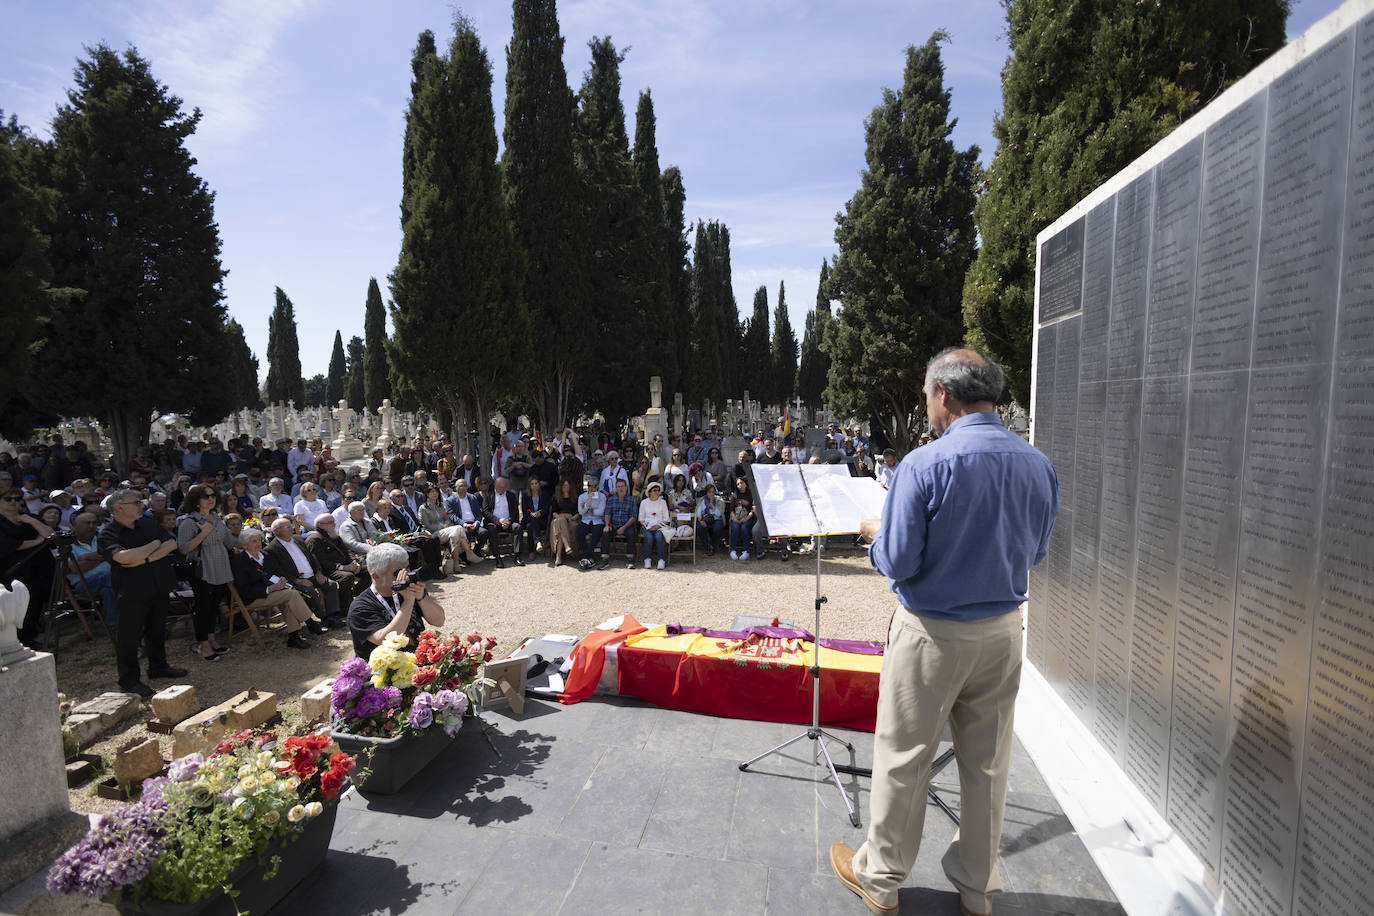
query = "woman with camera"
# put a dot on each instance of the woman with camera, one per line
(23, 557)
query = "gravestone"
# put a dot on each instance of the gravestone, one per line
(346, 446)
(1203, 355)
(656, 420)
(387, 436)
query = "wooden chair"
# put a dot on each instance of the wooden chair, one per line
(684, 545)
(237, 606)
(82, 604)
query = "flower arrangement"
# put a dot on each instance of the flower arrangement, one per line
(396, 537)
(193, 827)
(399, 692)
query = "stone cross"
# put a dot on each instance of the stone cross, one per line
(655, 392)
(388, 415)
(343, 415)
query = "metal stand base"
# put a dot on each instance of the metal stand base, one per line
(940, 763)
(815, 732)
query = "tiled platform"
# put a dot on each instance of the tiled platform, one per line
(613, 806)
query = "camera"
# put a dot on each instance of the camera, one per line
(60, 539)
(401, 584)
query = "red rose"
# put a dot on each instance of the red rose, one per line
(490, 643)
(425, 675)
(453, 683)
(330, 783)
(486, 656)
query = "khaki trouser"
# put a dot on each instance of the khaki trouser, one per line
(936, 670)
(292, 604)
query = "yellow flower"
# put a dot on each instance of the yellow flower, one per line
(396, 640)
(248, 784)
(314, 809)
(264, 760)
(379, 680)
(271, 818)
(296, 814)
(245, 770)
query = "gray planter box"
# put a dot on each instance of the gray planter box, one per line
(390, 762)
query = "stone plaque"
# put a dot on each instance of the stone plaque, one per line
(1063, 446)
(1335, 849)
(1061, 273)
(1099, 235)
(1280, 511)
(1209, 531)
(1304, 205)
(1042, 430)
(1081, 649)
(1355, 339)
(1130, 276)
(1224, 312)
(1173, 261)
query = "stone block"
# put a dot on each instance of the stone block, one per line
(202, 731)
(112, 708)
(85, 726)
(316, 701)
(176, 703)
(137, 760)
(34, 784)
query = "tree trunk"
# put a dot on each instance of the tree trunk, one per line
(479, 454)
(128, 430)
(555, 392)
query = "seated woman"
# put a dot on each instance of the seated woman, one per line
(240, 499)
(677, 467)
(434, 519)
(710, 518)
(742, 518)
(716, 466)
(655, 520)
(309, 507)
(639, 480)
(684, 506)
(700, 479)
(563, 522)
(376, 495)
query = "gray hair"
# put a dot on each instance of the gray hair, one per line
(357, 504)
(249, 532)
(966, 374)
(278, 481)
(381, 557)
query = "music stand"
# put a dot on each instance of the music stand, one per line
(813, 500)
(838, 503)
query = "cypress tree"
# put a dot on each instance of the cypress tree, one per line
(906, 239)
(755, 361)
(357, 398)
(284, 382)
(376, 382)
(784, 356)
(456, 287)
(316, 390)
(814, 365)
(715, 335)
(338, 372)
(544, 199)
(678, 295)
(655, 246)
(1088, 87)
(136, 231)
(241, 377)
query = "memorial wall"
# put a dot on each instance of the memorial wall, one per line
(1204, 384)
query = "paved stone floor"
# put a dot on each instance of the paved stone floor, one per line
(614, 806)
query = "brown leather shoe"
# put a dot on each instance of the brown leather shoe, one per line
(842, 861)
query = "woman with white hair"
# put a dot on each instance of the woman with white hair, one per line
(656, 521)
(394, 604)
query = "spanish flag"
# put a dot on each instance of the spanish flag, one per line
(786, 421)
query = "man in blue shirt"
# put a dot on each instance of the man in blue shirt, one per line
(965, 518)
(591, 508)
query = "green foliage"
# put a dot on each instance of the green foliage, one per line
(284, 382)
(1088, 87)
(653, 253)
(136, 229)
(814, 365)
(755, 358)
(783, 358)
(376, 382)
(544, 198)
(316, 390)
(338, 372)
(356, 395)
(906, 239)
(677, 308)
(714, 318)
(461, 327)
(241, 379)
(24, 276)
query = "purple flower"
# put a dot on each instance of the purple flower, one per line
(357, 668)
(152, 788)
(370, 702)
(184, 768)
(391, 696)
(119, 850)
(422, 713)
(346, 687)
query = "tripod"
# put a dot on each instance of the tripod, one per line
(815, 732)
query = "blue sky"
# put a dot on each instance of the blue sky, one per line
(759, 102)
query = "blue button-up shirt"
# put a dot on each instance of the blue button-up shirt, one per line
(965, 518)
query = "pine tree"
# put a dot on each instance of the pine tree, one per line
(456, 287)
(136, 230)
(655, 248)
(678, 296)
(357, 388)
(376, 382)
(338, 372)
(544, 198)
(284, 382)
(783, 360)
(755, 359)
(1088, 87)
(906, 239)
(814, 365)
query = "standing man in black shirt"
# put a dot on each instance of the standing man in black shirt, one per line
(381, 610)
(134, 549)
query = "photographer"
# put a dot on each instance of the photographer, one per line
(391, 604)
(23, 557)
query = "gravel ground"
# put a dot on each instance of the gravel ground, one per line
(511, 604)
